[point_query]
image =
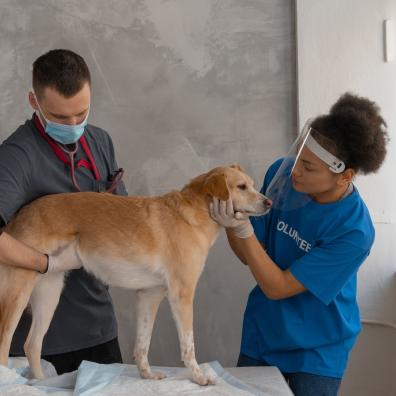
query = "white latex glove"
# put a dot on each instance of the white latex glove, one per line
(222, 212)
(66, 260)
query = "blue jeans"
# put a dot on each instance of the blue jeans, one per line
(302, 384)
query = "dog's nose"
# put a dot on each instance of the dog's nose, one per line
(268, 203)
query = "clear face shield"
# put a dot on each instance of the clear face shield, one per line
(281, 190)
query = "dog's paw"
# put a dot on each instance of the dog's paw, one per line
(38, 374)
(154, 375)
(203, 379)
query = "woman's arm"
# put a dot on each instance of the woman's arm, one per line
(234, 246)
(238, 252)
(275, 283)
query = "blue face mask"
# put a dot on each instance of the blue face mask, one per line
(63, 133)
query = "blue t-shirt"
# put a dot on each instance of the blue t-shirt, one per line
(323, 246)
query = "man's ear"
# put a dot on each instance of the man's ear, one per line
(32, 101)
(237, 166)
(216, 186)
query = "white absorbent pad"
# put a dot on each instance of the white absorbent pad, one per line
(15, 380)
(122, 380)
(93, 379)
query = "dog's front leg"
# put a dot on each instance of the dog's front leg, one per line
(148, 301)
(181, 302)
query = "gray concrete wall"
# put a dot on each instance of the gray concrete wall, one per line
(182, 86)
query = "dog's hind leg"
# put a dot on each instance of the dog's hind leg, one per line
(43, 302)
(181, 296)
(148, 301)
(16, 286)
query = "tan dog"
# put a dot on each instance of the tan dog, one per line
(156, 245)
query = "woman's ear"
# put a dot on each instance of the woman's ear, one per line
(346, 177)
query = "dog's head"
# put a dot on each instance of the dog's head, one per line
(232, 182)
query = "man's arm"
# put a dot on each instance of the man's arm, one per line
(17, 254)
(17, 160)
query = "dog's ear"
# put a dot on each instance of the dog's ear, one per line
(237, 166)
(216, 186)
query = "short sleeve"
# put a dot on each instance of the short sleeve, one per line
(326, 269)
(15, 174)
(269, 175)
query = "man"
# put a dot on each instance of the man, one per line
(55, 152)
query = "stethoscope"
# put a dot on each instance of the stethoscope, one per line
(67, 157)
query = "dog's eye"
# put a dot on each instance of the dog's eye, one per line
(242, 186)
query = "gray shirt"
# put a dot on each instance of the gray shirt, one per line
(29, 169)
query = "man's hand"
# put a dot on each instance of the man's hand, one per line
(223, 213)
(66, 260)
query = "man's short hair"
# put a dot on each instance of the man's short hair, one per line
(62, 70)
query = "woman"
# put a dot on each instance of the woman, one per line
(304, 254)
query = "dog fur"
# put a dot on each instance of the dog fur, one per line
(156, 245)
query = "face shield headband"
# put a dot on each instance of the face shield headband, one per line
(280, 189)
(307, 140)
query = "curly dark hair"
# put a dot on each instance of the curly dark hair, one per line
(61, 69)
(357, 133)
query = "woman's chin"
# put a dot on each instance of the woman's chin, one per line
(298, 186)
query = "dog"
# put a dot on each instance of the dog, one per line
(155, 245)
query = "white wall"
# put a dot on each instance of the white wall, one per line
(340, 48)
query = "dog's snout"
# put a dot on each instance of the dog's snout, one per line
(266, 202)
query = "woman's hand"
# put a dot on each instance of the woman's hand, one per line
(223, 213)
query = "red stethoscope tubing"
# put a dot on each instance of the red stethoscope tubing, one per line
(90, 164)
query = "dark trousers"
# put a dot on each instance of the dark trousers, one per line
(302, 384)
(109, 352)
